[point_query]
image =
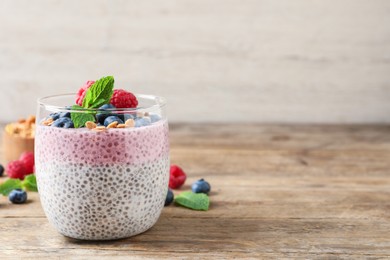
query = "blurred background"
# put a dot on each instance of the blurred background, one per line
(269, 61)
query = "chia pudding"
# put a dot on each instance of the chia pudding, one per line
(102, 183)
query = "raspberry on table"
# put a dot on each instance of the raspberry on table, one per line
(177, 177)
(16, 170)
(82, 91)
(27, 158)
(123, 99)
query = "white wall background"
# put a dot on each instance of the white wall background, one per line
(220, 60)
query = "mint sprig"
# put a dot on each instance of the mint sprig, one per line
(30, 183)
(9, 185)
(79, 119)
(98, 94)
(196, 201)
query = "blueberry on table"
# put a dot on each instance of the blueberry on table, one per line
(17, 196)
(201, 186)
(101, 116)
(112, 119)
(63, 122)
(1, 170)
(169, 198)
(143, 121)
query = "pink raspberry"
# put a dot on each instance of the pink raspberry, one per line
(27, 158)
(177, 177)
(123, 99)
(82, 91)
(16, 170)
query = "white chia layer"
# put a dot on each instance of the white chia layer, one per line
(110, 201)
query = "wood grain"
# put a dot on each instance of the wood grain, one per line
(278, 191)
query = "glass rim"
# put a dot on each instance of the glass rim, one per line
(159, 101)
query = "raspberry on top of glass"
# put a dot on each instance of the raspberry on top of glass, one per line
(102, 100)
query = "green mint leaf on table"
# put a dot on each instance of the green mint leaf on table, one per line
(99, 93)
(9, 185)
(197, 201)
(30, 183)
(79, 119)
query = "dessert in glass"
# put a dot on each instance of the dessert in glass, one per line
(102, 166)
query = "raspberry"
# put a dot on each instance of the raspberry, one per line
(123, 99)
(177, 177)
(27, 158)
(82, 91)
(16, 170)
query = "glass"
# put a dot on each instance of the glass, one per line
(102, 184)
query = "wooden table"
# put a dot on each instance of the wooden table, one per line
(278, 192)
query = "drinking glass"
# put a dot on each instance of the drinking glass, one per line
(102, 184)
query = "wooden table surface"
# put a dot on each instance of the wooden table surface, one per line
(277, 192)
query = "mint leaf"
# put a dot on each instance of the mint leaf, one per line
(197, 201)
(99, 93)
(30, 183)
(9, 185)
(79, 119)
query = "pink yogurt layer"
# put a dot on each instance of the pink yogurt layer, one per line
(87, 147)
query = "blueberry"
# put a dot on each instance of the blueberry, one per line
(112, 119)
(201, 186)
(65, 114)
(104, 114)
(54, 116)
(63, 122)
(17, 196)
(143, 121)
(169, 198)
(127, 117)
(154, 118)
(1, 170)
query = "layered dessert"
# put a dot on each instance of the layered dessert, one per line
(103, 171)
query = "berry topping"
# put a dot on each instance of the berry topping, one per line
(1, 170)
(169, 198)
(123, 99)
(54, 116)
(65, 114)
(154, 118)
(101, 116)
(112, 119)
(18, 196)
(177, 177)
(82, 91)
(16, 170)
(201, 186)
(143, 121)
(127, 116)
(63, 122)
(27, 158)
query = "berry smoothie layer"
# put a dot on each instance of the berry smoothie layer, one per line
(85, 147)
